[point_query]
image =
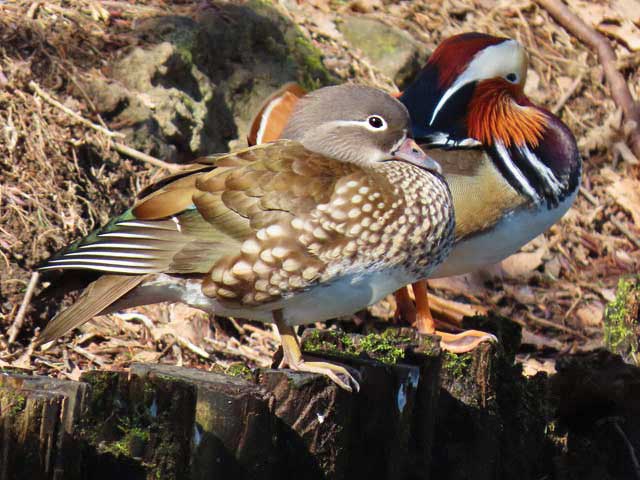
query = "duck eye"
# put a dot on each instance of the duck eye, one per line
(376, 122)
(512, 77)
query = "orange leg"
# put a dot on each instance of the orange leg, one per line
(453, 342)
(405, 307)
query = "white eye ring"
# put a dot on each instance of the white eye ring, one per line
(512, 77)
(375, 123)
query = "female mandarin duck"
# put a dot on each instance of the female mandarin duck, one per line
(513, 167)
(343, 211)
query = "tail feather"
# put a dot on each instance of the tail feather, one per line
(95, 298)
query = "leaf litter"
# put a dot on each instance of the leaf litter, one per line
(61, 178)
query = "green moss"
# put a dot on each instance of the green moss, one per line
(456, 365)
(620, 319)
(313, 72)
(15, 401)
(239, 370)
(386, 347)
(132, 443)
(383, 347)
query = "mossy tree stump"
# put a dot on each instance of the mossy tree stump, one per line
(420, 414)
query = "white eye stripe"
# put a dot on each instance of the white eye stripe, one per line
(487, 63)
(361, 123)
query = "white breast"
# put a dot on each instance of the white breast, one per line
(506, 238)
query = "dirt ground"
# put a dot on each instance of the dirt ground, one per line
(60, 176)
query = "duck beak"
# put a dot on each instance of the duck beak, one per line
(410, 152)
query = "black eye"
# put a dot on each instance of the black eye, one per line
(512, 77)
(376, 121)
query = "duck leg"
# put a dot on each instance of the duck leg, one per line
(292, 357)
(462, 342)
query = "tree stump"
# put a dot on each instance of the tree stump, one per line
(420, 414)
(37, 424)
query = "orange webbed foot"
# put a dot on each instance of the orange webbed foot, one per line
(464, 342)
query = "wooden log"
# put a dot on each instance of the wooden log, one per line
(136, 426)
(491, 421)
(37, 424)
(235, 433)
(419, 415)
(385, 440)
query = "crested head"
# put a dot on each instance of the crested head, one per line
(471, 93)
(350, 122)
(472, 89)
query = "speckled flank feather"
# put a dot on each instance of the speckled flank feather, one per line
(268, 222)
(372, 218)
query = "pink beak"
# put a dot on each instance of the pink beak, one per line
(410, 152)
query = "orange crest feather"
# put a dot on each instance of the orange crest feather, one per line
(495, 115)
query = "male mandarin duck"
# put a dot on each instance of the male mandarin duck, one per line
(513, 168)
(340, 212)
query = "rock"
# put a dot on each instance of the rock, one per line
(195, 83)
(394, 52)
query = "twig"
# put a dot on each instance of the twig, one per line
(119, 147)
(625, 152)
(138, 155)
(627, 233)
(14, 331)
(549, 324)
(616, 223)
(184, 342)
(592, 200)
(52, 101)
(619, 88)
(568, 94)
(89, 355)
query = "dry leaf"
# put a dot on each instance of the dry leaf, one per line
(532, 366)
(523, 263)
(629, 9)
(626, 192)
(146, 356)
(469, 284)
(564, 83)
(591, 314)
(624, 31)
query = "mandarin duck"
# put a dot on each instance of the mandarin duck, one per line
(340, 212)
(513, 168)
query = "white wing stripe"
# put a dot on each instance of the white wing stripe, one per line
(102, 268)
(542, 169)
(515, 171)
(107, 253)
(101, 262)
(133, 246)
(128, 235)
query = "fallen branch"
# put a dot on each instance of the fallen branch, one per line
(14, 331)
(52, 101)
(119, 147)
(138, 155)
(618, 85)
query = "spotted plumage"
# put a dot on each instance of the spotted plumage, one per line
(341, 213)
